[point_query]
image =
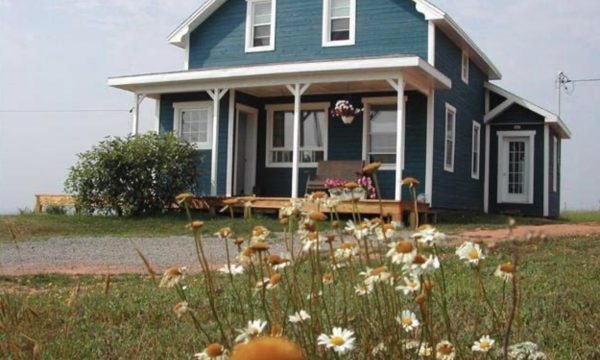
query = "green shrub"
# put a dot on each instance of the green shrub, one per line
(137, 175)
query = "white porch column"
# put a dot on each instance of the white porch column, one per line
(297, 90)
(230, 147)
(216, 95)
(135, 113)
(399, 86)
(430, 147)
(486, 184)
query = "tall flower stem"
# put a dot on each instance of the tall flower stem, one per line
(376, 182)
(515, 303)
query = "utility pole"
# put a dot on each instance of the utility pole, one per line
(563, 82)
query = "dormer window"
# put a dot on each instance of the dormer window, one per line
(260, 25)
(339, 22)
(464, 69)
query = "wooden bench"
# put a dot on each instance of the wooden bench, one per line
(42, 200)
(333, 169)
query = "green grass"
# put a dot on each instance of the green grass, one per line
(560, 308)
(581, 216)
(32, 226)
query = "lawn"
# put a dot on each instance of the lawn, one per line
(130, 317)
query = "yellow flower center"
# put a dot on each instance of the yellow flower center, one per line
(404, 247)
(484, 344)
(507, 268)
(446, 349)
(214, 350)
(407, 321)
(337, 340)
(473, 254)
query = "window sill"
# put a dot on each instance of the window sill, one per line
(260, 49)
(289, 165)
(338, 43)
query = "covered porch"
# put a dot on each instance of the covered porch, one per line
(268, 125)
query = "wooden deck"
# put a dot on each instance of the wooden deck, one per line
(396, 210)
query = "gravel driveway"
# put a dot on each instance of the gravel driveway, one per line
(101, 255)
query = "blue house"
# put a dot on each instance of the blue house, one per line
(261, 76)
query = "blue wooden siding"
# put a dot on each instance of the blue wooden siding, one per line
(166, 125)
(457, 190)
(383, 27)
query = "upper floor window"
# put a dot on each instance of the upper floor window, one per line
(260, 25)
(339, 22)
(192, 122)
(464, 67)
(450, 138)
(280, 134)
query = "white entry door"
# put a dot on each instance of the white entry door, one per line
(515, 166)
(245, 150)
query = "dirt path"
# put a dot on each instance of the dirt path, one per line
(99, 256)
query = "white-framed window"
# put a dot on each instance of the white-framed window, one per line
(476, 150)
(260, 25)
(516, 152)
(464, 67)
(555, 164)
(449, 138)
(313, 134)
(339, 22)
(192, 121)
(380, 130)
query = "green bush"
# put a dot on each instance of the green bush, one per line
(137, 175)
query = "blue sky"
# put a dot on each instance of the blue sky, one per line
(57, 55)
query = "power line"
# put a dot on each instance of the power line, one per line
(63, 111)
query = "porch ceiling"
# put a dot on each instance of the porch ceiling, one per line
(351, 75)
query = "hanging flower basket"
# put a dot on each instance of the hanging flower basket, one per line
(345, 110)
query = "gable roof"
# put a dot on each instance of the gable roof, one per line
(431, 12)
(550, 118)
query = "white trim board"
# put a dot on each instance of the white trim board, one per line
(549, 117)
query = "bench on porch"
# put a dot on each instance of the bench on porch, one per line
(333, 169)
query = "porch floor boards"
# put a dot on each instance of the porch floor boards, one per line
(396, 210)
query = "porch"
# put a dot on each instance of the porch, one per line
(265, 127)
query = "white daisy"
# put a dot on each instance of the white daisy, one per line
(408, 320)
(214, 351)
(380, 274)
(483, 345)
(470, 252)
(402, 252)
(428, 235)
(341, 341)
(412, 284)
(444, 350)
(505, 271)
(299, 316)
(364, 289)
(359, 231)
(253, 329)
(232, 269)
(172, 276)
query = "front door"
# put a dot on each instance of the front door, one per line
(515, 168)
(245, 150)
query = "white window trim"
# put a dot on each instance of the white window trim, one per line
(464, 67)
(555, 163)
(271, 108)
(367, 103)
(327, 42)
(476, 149)
(449, 108)
(250, 26)
(502, 193)
(178, 107)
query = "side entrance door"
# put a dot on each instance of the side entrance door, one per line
(245, 150)
(515, 166)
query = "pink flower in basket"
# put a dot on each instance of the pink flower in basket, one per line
(344, 108)
(334, 183)
(367, 183)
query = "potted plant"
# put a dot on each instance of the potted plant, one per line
(345, 110)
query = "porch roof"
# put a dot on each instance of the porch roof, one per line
(348, 75)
